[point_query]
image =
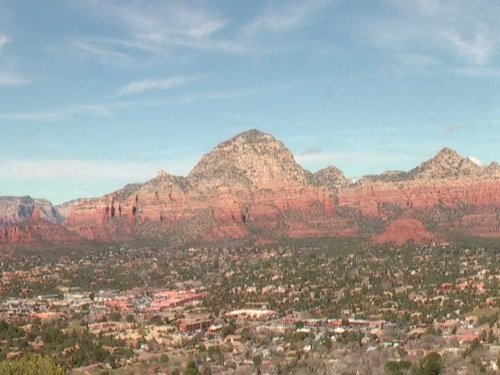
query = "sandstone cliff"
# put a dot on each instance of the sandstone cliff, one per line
(250, 187)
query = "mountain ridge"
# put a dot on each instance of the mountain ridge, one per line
(251, 187)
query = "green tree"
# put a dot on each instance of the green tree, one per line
(431, 365)
(191, 368)
(31, 365)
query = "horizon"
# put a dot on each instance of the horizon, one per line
(95, 95)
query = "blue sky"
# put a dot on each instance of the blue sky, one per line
(96, 94)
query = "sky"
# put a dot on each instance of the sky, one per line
(95, 94)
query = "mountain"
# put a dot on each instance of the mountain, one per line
(448, 193)
(251, 188)
(247, 187)
(251, 160)
(331, 178)
(28, 221)
(18, 209)
(446, 164)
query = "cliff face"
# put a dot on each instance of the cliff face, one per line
(447, 192)
(250, 187)
(37, 232)
(27, 221)
(19, 209)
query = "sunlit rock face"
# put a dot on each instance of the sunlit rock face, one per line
(250, 187)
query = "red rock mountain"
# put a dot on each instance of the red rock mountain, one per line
(28, 221)
(250, 187)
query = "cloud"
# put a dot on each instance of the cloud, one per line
(204, 96)
(8, 77)
(12, 79)
(3, 41)
(478, 71)
(478, 49)
(310, 151)
(417, 60)
(286, 16)
(57, 115)
(101, 52)
(450, 129)
(153, 28)
(154, 85)
(456, 33)
(142, 31)
(89, 170)
(108, 108)
(476, 161)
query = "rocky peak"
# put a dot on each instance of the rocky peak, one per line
(446, 164)
(331, 178)
(250, 160)
(164, 180)
(19, 209)
(387, 176)
(493, 169)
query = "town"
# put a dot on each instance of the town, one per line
(325, 307)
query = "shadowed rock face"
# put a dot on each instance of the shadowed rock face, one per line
(250, 187)
(18, 209)
(24, 220)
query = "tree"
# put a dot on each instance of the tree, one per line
(191, 368)
(257, 361)
(31, 365)
(431, 365)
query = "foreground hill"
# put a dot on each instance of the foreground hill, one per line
(251, 188)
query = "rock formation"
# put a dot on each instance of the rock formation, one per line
(27, 221)
(250, 187)
(402, 231)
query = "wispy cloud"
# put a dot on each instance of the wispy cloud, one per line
(99, 51)
(478, 71)
(3, 41)
(287, 16)
(109, 107)
(476, 161)
(12, 79)
(154, 85)
(90, 170)
(8, 76)
(478, 49)
(163, 28)
(58, 114)
(205, 96)
(434, 32)
(153, 28)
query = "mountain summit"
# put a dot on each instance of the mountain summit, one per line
(250, 160)
(446, 164)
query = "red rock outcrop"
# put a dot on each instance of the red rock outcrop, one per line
(247, 185)
(402, 231)
(39, 232)
(15, 210)
(441, 191)
(250, 187)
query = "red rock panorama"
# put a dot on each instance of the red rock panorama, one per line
(250, 187)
